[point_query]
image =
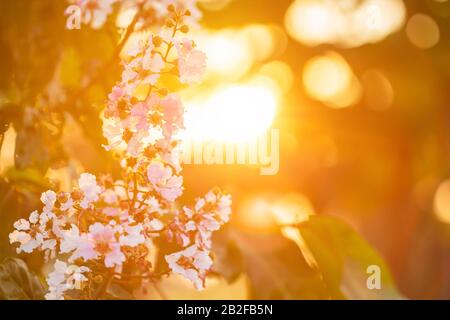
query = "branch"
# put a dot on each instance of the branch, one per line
(82, 91)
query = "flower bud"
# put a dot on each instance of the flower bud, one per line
(155, 118)
(127, 135)
(98, 279)
(150, 152)
(62, 197)
(107, 180)
(170, 23)
(157, 40)
(184, 28)
(171, 7)
(163, 91)
(131, 162)
(76, 195)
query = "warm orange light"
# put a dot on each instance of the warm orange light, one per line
(235, 113)
(423, 31)
(442, 202)
(329, 79)
(347, 23)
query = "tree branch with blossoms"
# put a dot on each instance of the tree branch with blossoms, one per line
(104, 231)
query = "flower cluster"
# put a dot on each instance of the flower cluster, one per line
(108, 228)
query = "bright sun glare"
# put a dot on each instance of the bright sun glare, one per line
(235, 113)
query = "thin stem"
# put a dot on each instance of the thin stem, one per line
(170, 45)
(135, 191)
(130, 29)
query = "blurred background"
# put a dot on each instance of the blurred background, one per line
(359, 90)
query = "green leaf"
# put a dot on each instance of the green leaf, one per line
(277, 269)
(343, 258)
(17, 282)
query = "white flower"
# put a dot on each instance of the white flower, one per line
(210, 197)
(137, 47)
(48, 198)
(68, 205)
(70, 239)
(153, 204)
(133, 237)
(109, 196)
(31, 234)
(102, 221)
(64, 277)
(56, 282)
(129, 74)
(191, 263)
(88, 185)
(76, 276)
(49, 244)
(27, 242)
(155, 225)
(199, 204)
(22, 224)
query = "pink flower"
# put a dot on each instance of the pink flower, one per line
(173, 111)
(68, 205)
(99, 242)
(116, 94)
(136, 144)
